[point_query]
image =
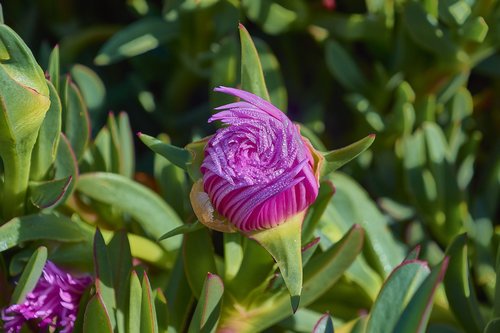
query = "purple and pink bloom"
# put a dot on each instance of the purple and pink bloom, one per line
(258, 170)
(52, 304)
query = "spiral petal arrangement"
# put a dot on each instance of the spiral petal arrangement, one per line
(257, 170)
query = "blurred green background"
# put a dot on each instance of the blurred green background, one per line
(424, 76)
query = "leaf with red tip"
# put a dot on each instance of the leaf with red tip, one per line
(96, 318)
(149, 322)
(324, 324)
(207, 313)
(416, 314)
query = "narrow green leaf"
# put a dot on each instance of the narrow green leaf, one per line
(104, 276)
(91, 86)
(180, 297)
(343, 67)
(252, 76)
(145, 206)
(39, 227)
(161, 311)
(496, 304)
(284, 244)
(149, 323)
(96, 317)
(120, 260)
(416, 314)
(66, 166)
(323, 270)
(183, 229)
(30, 276)
(126, 145)
(139, 37)
(76, 123)
(177, 156)
(493, 326)
(47, 194)
(391, 302)
(272, 73)
(316, 210)
(324, 324)
(54, 68)
(207, 312)
(233, 254)
(135, 304)
(199, 258)
(336, 158)
(425, 30)
(459, 288)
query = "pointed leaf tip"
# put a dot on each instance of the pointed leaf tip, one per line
(295, 301)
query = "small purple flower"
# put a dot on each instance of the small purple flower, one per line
(258, 170)
(53, 303)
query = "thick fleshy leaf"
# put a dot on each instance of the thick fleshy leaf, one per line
(177, 156)
(252, 76)
(45, 151)
(459, 288)
(66, 166)
(30, 276)
(284, 244)
(96, 317)
(391, 302)
(139, 37)
(91, 86)
(76, 123)
(104, 276)
(275, 16)
(37, 227)
(135, 304)
(493, 326)
(126, 145)
(416, 314)
(324, 324)
(207, 313)
(120, 260)
(47, 194)
(199, 258)
(336, 158)
(149, 323)
(54, 68)
(145, 206)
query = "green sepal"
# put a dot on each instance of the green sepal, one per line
(177, 156)
(197, 150)
(96, 318)
(336, 158)
(284, 244)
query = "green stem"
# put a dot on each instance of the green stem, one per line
(16, 176)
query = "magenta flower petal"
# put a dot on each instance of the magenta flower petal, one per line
(52, 304)
(258, 170)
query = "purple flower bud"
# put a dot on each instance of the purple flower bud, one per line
(52, 304)
(258, 170)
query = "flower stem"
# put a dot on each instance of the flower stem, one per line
(16, 176)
